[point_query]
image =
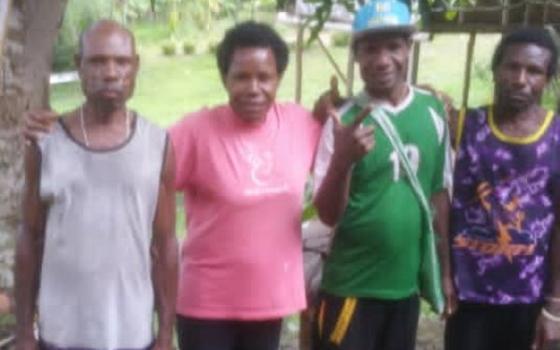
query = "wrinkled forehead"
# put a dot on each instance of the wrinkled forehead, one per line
(108, 43)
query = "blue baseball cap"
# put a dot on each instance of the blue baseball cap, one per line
(382, 16)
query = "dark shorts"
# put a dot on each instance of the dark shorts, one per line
(205, 334)
(365, 323)
(490, 327)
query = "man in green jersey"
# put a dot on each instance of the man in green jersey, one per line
(370, 284)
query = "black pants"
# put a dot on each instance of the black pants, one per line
(491, 327)
(204, 334)
(365, 323)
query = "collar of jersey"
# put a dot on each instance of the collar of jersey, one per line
(519, 140)
(363, 99)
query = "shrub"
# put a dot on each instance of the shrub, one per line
(78, 16)
(341, 39)
(188, 48)
(169, 49)
(212, 47)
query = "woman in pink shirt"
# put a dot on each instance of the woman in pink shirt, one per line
(242, 168)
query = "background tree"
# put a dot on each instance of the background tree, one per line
(31, 30)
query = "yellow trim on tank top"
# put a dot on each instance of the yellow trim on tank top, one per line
(519, 140)
(343, 321)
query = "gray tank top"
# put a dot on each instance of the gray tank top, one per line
(96, 286)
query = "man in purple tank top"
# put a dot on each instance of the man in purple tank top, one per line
(504, 239)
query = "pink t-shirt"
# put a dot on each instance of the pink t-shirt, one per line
(243, 186)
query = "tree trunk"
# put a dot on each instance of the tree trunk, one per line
(31, 31)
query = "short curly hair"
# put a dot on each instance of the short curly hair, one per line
(251, 34)
(536, 36)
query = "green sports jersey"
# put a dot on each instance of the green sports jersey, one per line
(376, 248)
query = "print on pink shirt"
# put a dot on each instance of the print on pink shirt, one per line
(261, 163)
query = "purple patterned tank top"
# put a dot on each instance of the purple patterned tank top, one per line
(502, 214)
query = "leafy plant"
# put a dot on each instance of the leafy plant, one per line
(169, 48)
(341, 39)
(322, 14)
(188, 48)
(212, 47)
(79, 15)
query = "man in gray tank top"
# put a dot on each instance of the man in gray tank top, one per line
(97, 252)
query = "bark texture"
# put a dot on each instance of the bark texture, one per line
(31, 29)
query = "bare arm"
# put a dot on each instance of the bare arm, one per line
(554, 267)
(165, 255)
(332, 197)
(441, 203)
(29, 251)
(548, 330)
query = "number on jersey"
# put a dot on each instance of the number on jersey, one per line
(413, 155)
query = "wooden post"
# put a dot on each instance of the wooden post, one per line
(350, 73)
(5, 6)
(468, 68)
(415, 62)
(526, 14)
(299, 59)
(545, 11)
(505, 13)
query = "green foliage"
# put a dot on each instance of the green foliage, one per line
(173, 18)
(139, 9)
(309, 212)
(203, 12)
(149, 34)
(212, 47)
(482, 71)
(341, 39)
(188, 48)
(169, 48)
(323, 13)
(79, 15)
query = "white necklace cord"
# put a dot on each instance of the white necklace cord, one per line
(83, 125)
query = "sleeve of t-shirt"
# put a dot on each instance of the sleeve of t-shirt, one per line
(325, 150)
(308, 129)
(313, 134)
(184, 145)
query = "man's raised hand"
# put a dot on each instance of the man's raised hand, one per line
(328, 102)
(353, 141)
